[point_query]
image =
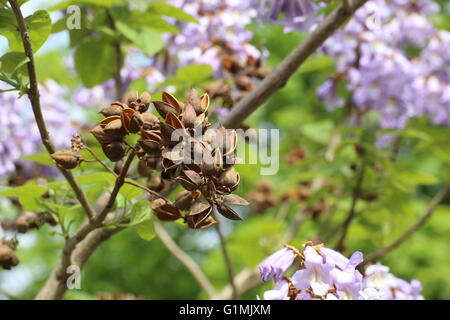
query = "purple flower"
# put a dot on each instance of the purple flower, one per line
(277, 264)
(373, 56)
(326, 274)
(296, 14)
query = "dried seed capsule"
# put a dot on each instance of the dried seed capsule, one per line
(26, 221)
(163, 108)
(190, 180)
(136, 123)
(227, 212)
(200, 222)
(66, 159)
(115, 109)
(151, 121)
(114, 128)
(143, 169)
(139, 103)
(189, 116)
(165, 211)
(229, 179)
(101, 136)
(7, 257)
(185, 198)
(171, 100)
(115, 151)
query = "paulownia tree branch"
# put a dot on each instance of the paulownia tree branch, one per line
(33, 95)
(438, 198)
(281, 74)
(248, 278)
(185, 259)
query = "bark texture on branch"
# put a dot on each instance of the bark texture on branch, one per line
(280, 75)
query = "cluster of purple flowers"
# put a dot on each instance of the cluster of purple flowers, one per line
(19, 134)
(298, 15)
(394, 62)
(325, 274)
(221, 23)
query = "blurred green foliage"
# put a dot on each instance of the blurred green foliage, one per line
(397, 192)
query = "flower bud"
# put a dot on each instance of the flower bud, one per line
(66, 159)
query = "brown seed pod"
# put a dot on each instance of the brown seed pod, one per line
(233, 199)
(229, 179)
(200, 222)
(171, 100)
(26, 221)
(190, 180)
(139, 103)
(165, 211)
(115, 151)
(66, 159)
(112, 126)
(200, 206)
(163, 108)
(151, 121)
(114, 109)
(189, 116)
(7, 257)
(227, 212)
(184, 199)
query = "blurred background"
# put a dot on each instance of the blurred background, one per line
(405, 158)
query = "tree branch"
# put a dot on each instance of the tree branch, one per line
(33, 95)
(438, 198)
(185, 259)
(118, 54)
(54, 288)
(280, 75)
(352, 212)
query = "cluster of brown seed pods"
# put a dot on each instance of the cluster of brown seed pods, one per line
(183, 147)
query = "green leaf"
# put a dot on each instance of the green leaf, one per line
(12, 61)
(28, 195)
(94, 61)
(96, 177)
(101, 3)
(140, 212)
(195, 73)
(130, 192)
(145, 230)
(40, 158)
(39, 27)
(166, 9)
(146, 39)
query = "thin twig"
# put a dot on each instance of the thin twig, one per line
(137, 185)
(33, 95)
(228, 262)
(356, 194)
(185, 259)
(438, 198)
(281, 74)
(118, 56)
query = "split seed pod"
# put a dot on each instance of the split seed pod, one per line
(165, 211)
